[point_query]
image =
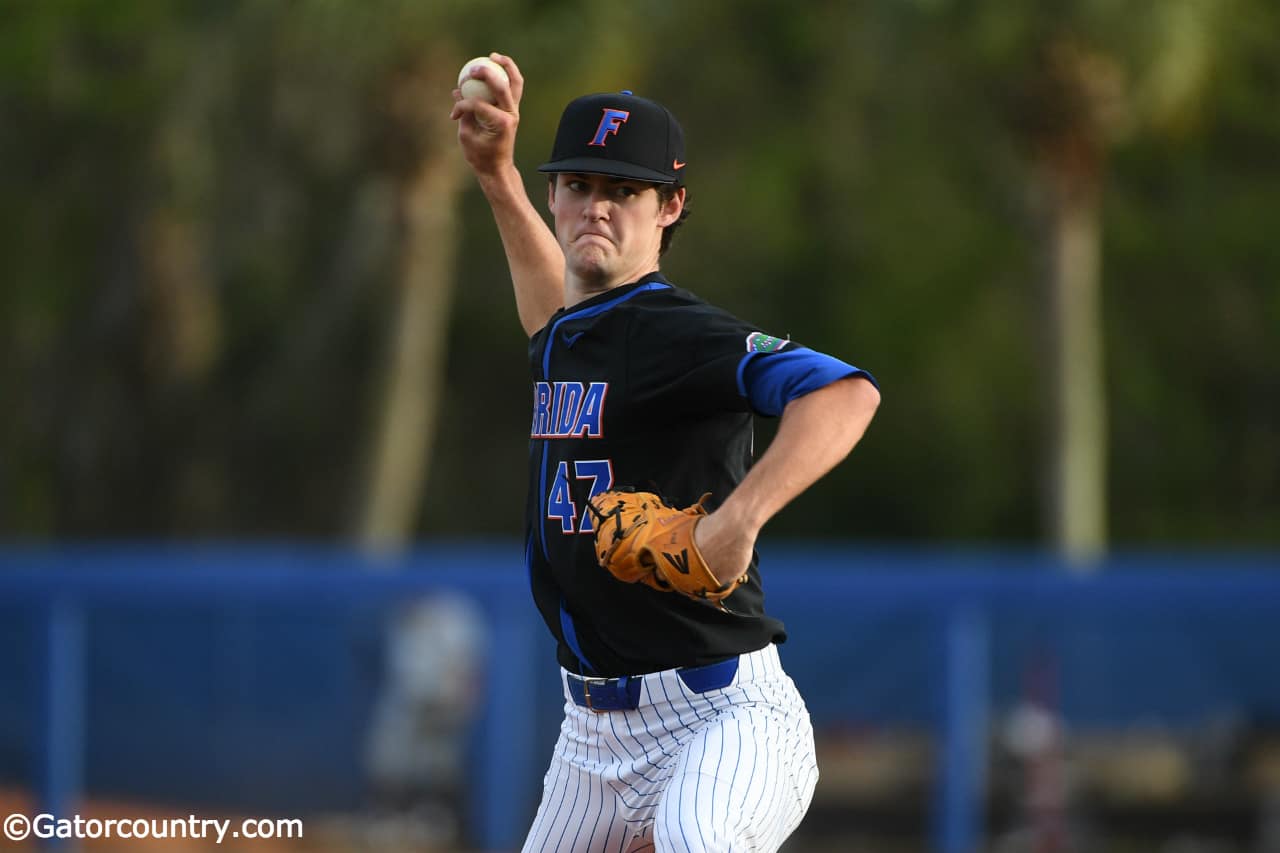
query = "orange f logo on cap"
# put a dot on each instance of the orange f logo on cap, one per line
(609, 123)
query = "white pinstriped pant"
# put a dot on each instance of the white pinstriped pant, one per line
(726, 770)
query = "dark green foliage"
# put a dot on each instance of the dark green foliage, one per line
(857, 179)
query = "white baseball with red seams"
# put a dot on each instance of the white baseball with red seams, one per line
(731, 769)
(475, 88)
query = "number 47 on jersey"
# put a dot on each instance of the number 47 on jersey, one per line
(560, 503)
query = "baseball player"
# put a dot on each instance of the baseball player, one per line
(682, 732)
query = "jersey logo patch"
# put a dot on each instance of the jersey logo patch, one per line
(760, 342)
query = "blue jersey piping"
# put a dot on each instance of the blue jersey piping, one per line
(566, 621)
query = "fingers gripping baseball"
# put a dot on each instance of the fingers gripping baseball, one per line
(639, 538)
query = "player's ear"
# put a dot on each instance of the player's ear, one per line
(669, 210)
(551, 193)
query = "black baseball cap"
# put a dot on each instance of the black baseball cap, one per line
(621, 135)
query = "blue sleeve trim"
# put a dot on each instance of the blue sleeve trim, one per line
(770, 383)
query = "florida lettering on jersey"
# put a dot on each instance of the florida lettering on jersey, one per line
(568, 409)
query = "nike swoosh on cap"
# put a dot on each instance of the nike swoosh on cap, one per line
(677, 164)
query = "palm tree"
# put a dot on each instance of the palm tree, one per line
(1093, 75)
(428, 181)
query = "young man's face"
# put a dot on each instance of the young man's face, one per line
(610, 229)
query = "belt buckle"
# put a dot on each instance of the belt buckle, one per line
(586, 692)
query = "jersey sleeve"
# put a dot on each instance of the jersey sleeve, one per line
(770, 383)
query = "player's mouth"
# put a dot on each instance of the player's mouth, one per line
(586, 234)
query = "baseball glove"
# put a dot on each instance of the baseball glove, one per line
(640, 538)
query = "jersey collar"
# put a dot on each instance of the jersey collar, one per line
(612, 293)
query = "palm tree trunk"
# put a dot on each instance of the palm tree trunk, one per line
(428, 197)
(1078, 435)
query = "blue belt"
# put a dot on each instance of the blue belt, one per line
(623, 694)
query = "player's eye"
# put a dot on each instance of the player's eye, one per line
(577, 186)
(624, 191)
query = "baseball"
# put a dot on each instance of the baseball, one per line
(478, 89)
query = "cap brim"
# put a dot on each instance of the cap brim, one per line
(598, 166)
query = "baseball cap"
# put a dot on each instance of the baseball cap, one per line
(621, 135)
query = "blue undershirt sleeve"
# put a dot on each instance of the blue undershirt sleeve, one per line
(770, 381)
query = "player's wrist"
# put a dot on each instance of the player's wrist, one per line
(740, 516)
(501, 183)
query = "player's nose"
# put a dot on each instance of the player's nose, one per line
(597, 207)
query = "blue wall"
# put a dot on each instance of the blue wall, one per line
(244, 677)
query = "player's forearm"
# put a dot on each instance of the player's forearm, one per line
(533, 255)
(816, 432)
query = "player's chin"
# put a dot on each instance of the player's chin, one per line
(590, 261)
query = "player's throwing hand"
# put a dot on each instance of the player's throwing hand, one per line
(487, 132)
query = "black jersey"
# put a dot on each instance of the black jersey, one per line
(640, 387)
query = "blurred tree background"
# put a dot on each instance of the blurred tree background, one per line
(250, 289)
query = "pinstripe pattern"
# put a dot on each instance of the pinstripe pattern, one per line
(727, 770)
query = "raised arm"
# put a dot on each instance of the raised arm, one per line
(487, 136)
(816, 432)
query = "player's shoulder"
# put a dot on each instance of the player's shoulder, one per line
(676, 305)
(710, 329)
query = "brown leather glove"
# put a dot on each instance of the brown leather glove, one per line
(641, 539)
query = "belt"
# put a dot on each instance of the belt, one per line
(623, 693)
